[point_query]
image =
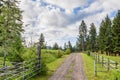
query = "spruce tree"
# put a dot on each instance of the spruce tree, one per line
(65, 46)
(116, 33)
(55, 46)
(41, 40)
(88, 48)
(70, 46)
(11, 28)
(101, 37)
(82, 35)
(92, 35)
(108, 35)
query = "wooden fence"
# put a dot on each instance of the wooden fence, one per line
(101, 62)
(21, 70)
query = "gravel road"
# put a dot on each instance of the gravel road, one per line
(71, 69)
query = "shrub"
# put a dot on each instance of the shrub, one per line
(60, 53)
(44, 68)
(47, 57)
(88, 53)
(67, 51)
(14, 56)
(29, 53)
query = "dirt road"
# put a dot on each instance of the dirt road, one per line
(71, 69)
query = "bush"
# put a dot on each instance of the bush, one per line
(88, 53)
(60, 53)
(44, 68)
(67, 51)
(14, 56)
(47, 57)
(29, 53)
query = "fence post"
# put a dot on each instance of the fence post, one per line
(95, 68)
(116, 65)
(39, 55)
(108, 64)
(98, 58)
(102, 61)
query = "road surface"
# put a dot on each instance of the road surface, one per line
(71, 69)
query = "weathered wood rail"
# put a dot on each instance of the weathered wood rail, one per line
(21, 70)
(101, 62)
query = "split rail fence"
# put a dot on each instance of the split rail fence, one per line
(103, 64)
(20, 70)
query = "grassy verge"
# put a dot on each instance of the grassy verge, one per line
(89, 68)
(51, 68)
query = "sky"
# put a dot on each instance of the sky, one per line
(59, 20)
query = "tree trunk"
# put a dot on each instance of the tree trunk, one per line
(101, 52)
(115, 54)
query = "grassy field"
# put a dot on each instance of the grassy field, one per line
(51, 68)
(89, 67)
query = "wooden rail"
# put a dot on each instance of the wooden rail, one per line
(21, 70)
(103, 62)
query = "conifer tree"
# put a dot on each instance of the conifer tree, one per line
(11, 27)
(108, 35)
(70, 46)
(82, 35)
(101, 36)
(42, 40)
(92, 34)
(116, 33)
(55, 46)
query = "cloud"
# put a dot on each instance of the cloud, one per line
(59, 20)
(68, 5)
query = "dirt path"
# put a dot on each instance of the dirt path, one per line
(71, 69)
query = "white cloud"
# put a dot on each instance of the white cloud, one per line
(59, 26)
(68, 5)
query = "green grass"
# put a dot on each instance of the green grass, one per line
(89, 69)
(51, 68)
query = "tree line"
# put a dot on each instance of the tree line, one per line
(55, 46)
(106, 41)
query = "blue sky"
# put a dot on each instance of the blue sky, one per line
(59, 20)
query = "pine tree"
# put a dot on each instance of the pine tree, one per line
(65, 46)
(108, 35)
(41, 40)
(55, 46)
(116, 33)
(92, 35)
(11, 27)
(105, 36)
(82, 35)
(70, 46)
(88, 43)
(79, 43)
(101, 37)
